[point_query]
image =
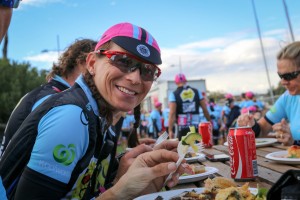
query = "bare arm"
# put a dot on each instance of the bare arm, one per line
(265, 127)
(5, 17)
(204, 108)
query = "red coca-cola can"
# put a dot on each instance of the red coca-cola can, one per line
(205, 130)
(242, 151)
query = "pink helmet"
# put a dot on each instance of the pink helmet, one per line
(228, 96)
(180, 78)
(249, 94)
(157, 104)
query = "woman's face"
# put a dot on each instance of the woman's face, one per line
(287, 66)
(123, 91)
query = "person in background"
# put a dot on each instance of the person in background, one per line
(283, 117)
(155, 125)
(233, 114)
(144, 124)
(215, 116)
(224, 114)
(127, 127)
(70, 65)
(184, 105)
(249, 100)
(6, 11)
(69, 133)
(165, 115)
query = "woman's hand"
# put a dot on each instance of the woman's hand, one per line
(129, 158)
(167, 144)
(283, 133)
(147, 141)
(147, 174)
(245, 120)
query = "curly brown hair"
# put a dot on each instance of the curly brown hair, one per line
(75, 54)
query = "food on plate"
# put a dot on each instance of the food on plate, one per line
(293, 151)
(221, 188)
(217, 183)
(190, 155)
(195, 168)
(191, 138)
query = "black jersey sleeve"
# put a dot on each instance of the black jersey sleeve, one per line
(36, 186)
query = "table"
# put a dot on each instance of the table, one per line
(268, 171)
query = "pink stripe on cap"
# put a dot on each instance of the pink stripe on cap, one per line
(128, 30)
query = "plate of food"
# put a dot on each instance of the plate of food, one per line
(261, 142)
(222, 187)
(200, 172)
(291, 156)
(192, 157)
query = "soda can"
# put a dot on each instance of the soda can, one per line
(205, 130)
(242, 151)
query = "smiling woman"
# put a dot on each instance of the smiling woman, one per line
(283, 117)
(71, 139)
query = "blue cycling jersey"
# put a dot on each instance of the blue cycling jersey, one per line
(287, 107)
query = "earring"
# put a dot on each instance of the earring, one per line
(91, 73)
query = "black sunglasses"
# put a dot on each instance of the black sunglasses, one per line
(128, 63)
(289, 76)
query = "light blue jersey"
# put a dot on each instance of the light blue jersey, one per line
(287, 107)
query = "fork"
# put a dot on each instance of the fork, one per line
(161, 138)
(181, 150)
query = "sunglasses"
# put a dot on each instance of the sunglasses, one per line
(128, 63)
(289, 76)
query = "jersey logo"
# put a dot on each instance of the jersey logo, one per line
(187, 95)
(273, 109)
(64, 155)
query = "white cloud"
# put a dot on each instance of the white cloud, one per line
(230, 64)
(235, 65)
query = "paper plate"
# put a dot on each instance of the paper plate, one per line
(261, 142)
(169, 194)
(198, 177)
(199, 156)
(280, 157)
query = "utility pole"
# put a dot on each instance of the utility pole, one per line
(263, 52)
(58, 48)
(288, 19)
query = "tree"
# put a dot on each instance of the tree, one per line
(16, 80)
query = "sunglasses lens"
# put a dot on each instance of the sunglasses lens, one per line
(289, 76)
(127, 64)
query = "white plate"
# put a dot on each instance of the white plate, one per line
(261, 142)
(199, 156)
(169, 194)
(198, 177)
(279, 156)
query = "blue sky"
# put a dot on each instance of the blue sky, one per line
(215, 40)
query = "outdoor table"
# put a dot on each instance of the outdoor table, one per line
(268, 171)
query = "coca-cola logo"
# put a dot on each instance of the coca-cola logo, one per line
(231, 153)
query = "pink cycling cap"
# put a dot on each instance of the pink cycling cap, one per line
(157, 104)
(252, 108)
(228, 96)
(249, 94)
(180, 78)
(133, 39)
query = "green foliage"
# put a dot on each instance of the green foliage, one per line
(16, 80)
(279, 90)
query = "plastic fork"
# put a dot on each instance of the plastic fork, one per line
(181, 150)
(161, 138)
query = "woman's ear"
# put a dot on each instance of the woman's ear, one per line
(90, 62)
